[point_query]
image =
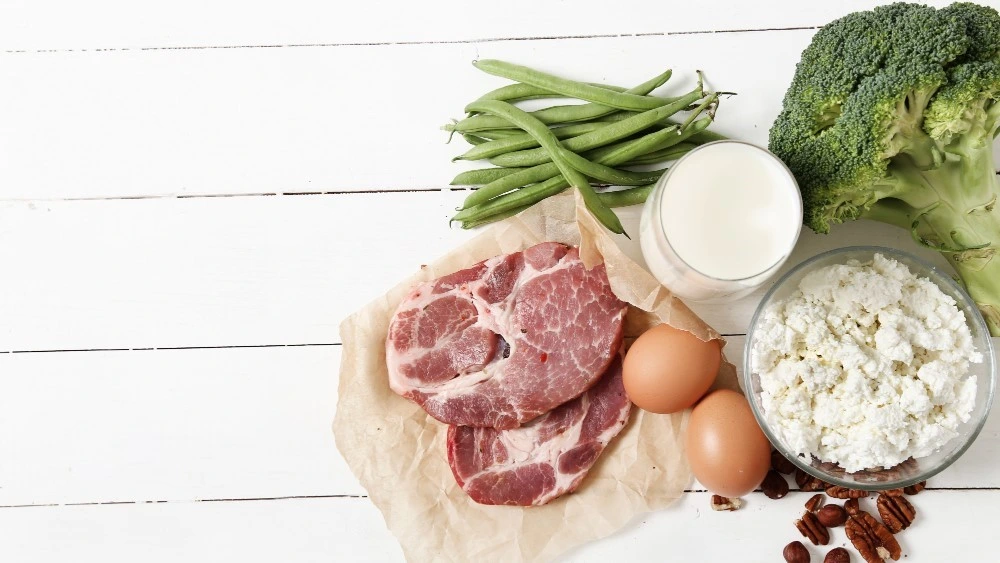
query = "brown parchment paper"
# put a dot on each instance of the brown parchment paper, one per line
(398, 453)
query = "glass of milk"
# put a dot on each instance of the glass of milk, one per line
(721, 221)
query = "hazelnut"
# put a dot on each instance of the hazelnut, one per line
(831, 516)
(838, 555)
(795, 552)
(774, 485)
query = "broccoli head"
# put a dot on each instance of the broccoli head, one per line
(891, 116)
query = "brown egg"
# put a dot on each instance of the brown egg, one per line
(667, 369)
(726, 448)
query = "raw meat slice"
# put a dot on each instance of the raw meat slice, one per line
(545, 458)
(506, 340)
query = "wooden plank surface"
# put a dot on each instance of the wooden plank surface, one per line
(250, 271)
(324, 119)
(210, 424)
(194, 421)
(351, 529)
(116, 24)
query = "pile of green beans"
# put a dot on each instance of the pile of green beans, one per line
(592, 145)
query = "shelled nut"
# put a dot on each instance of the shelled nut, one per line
(774, 485)
(795, 552)
(810, 527)
(831, 516)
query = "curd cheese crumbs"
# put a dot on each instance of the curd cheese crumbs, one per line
(865, 365)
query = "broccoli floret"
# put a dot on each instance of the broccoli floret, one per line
(891, 116)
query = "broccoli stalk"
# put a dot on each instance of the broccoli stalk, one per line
(891, 116)
(962, 223)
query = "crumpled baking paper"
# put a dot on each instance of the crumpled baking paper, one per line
(398, 452)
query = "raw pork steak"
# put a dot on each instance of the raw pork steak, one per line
(506, 340)
(545, 458)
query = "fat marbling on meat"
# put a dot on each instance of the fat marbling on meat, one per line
(506, 340)
(546, 457)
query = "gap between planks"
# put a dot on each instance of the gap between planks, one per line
(392, 43)
(254, 194)
(210, 347)
(300, 497)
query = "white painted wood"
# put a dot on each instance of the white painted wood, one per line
(352, 530)
(139, 123)
(183, 425)
(254, 270)
(188, 23)
(295, 530)
(130, 123)
(215, 271)
(169, 425)
(160, 429)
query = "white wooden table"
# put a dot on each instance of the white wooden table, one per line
(194, 195)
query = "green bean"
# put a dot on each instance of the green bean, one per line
(646, 145)
(571, 88)
(502, 185)
(482, 176)
(537, 129)
(493, 218)
(707, 136)
(708, 103)
(624, 198)
(522, 141)
(559, 114)
(700, 139)
(518, 92)
(526, 196)
(493, 198)
(494, 134)
(611, 156)
(619, 198)
(662, 155)
(474, 139)
(606, 173)
(604, 135)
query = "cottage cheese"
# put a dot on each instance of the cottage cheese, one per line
(865, 365)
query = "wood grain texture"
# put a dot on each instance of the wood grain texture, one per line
(251, 270)
(323, 530)
(184, 425)
(114, 24)
(324, 119)
(146, 454)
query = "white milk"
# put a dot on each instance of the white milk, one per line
(721, 221)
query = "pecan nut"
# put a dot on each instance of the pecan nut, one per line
(837, 491)
(852, 506)
(863, 542)
(815, 502)
(838, 555)
(781, 464)
(872, 539)
(892, 492)
(915, 488)
(720, 502)
(774, 485)
(897, 513)
(811, 528)
(832, 516)
(808, 483)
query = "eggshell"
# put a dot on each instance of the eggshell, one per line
(667, 369)
(726, 448)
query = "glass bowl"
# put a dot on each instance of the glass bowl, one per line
(912, 470)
